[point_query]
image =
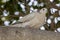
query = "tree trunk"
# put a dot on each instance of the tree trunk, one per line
(16, 33)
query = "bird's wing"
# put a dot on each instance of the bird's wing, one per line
(27, 18)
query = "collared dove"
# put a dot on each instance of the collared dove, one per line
(34, 19)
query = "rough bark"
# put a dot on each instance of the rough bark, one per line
(16, 33)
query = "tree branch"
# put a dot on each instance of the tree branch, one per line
(16, 33)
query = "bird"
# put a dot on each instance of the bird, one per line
(33, 20)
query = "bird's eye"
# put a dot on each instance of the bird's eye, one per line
(43, 9)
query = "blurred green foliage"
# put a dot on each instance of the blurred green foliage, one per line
(12, 5)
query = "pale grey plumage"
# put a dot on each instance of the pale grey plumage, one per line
(35, 19)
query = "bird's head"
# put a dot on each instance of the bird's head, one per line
(43, 10)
